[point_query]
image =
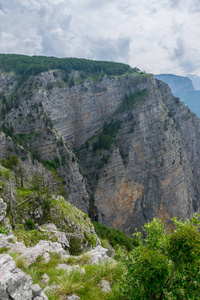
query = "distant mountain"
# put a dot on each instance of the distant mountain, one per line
(183, 88)
(195, 81)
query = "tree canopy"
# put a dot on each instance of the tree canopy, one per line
(33, 65)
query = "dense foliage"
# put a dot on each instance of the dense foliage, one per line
(33, 65)
(164, 266)
(115, 237)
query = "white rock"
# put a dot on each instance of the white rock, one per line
(73, 297)
(45, 278)
(69, 269)
(31, 254)
(36, 290)
(14, 284)
(105, 286)
(99, 255)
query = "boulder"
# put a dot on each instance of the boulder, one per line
(69, 269)
(15, 284)
(73, 297)
(45, 278)
(43, 248)
(61, 236)
(99, 255)
(104, 286)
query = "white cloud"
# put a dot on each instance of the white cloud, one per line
(156, 36)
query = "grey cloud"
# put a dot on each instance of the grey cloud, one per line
(151, 34)
(174, 3)
(93, 4)
(111, 49)
(179, 50)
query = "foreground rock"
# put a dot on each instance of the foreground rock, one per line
(105, 286)
(15, 284)
(43, 248)
(99, 255)
(73, 297)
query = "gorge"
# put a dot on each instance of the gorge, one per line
(126, 148)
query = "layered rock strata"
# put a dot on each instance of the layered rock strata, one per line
(150, 166)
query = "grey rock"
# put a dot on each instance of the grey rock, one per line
(99, 255)
(153, 169)
(45, 278)
(75, 268)
(3, 207)
(14, 283)
(43, 248)
(61, 236)
(105, 286)
(36, 290)
(73, 297)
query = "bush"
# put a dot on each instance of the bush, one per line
(164, 266)
(30, 224)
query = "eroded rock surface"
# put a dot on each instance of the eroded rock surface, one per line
(15, 284)
(150, 169)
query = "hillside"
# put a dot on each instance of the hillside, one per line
(126, 149)
(183, 88)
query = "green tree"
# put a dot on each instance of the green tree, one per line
(164, 266)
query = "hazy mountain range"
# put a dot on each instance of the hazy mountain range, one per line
(186, 88)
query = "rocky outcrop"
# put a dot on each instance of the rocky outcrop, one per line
(99, 255)
(43, 248)
(15, 284)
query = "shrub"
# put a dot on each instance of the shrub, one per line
(164, 266)
(115, 237)
(30, 224)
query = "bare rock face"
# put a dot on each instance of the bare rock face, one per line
(150, 166)
(3, 207)
(15, 284)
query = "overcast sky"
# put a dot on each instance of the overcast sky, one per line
(158, 36)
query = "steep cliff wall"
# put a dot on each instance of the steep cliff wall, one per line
(137, 145)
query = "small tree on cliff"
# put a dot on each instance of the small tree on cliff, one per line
(164, 266)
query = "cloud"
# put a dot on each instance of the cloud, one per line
(156, 36)
(110, 49)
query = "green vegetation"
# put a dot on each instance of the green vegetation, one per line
(132, 101)
(33, 236)
(86, 286)
(164, 266)
(107, 137)
(32, 196)
(115, 237)
(33, 65)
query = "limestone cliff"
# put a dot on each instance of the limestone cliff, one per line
(134, 146)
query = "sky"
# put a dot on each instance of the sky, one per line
(157, 36)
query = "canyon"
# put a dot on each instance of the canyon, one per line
(126, 148)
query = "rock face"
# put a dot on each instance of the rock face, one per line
(15, 284)
(137, 145)
(3, 207)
